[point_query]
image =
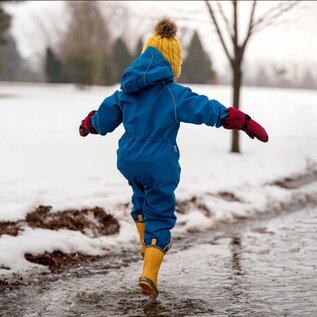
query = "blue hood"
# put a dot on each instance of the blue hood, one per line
(148, 69)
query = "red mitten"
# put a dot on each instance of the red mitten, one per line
(86, 127)
(238, 120)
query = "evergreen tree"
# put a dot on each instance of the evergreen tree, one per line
(11, 60)
(197, 67)
(121, 58)
(108, 71)
(81, 66)
(5, 21)
(138, 48)
(54, 68)
(308, 81)
(262, 79)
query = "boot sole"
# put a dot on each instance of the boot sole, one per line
(148, 287)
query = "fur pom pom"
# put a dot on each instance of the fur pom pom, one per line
(166, 27)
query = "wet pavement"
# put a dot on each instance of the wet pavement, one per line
(255, 268)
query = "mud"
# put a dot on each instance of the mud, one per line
(225, 195)
(193, 203)
(94, 222)
(228, 196)
(296, 181)
(91, 221)
(15, 281)
(58, 261)
(10, 228)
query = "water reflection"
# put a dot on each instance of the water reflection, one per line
(236, 250)
(238, 277)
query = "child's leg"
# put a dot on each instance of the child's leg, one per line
(159, 208)
(137, 211)
(159, 214)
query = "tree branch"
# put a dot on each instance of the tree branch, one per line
(235, 23)
(213, 17)
(227, 23)
(274, 13)
(250, 31)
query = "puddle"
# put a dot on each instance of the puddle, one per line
(263, 268)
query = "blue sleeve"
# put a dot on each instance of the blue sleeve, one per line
(198, 109)
(109, 115)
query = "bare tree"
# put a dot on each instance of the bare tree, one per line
(86, 27)
(235, 52)
(85, 45)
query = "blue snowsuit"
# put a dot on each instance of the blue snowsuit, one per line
(151, 107)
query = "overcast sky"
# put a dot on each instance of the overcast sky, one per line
(293, 41)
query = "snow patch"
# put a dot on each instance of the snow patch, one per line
(45, 162)
(36, 241)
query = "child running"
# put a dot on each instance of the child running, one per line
(151, 107)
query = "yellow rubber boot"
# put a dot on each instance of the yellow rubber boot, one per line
(140, 227)
(152, 261)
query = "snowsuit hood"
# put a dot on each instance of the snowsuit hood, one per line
(147, 70)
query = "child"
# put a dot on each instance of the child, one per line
(151, 106)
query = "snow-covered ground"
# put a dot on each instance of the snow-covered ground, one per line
(44, 161)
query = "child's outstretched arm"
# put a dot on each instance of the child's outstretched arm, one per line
(198, 109)
(106, 119)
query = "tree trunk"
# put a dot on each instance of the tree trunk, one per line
(236, 84)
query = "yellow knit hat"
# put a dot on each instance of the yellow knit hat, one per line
(165, 42)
